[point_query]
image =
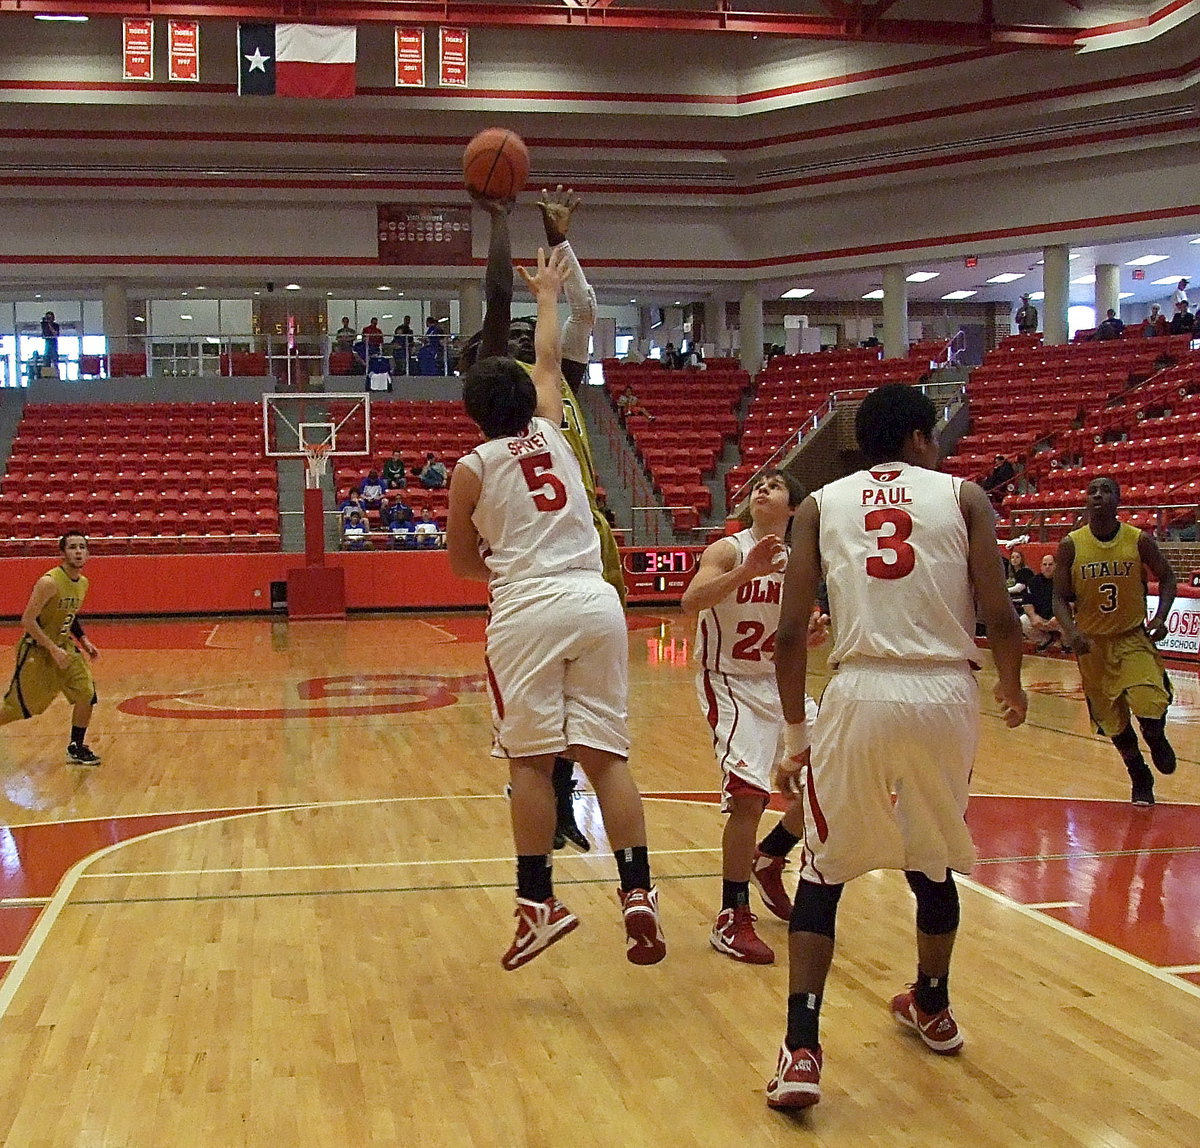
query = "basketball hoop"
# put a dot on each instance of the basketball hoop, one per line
(316, 456)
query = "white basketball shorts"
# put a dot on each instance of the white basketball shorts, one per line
(892, 752)
(746, 720)
(558, 669)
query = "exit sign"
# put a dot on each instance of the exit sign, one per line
(971, 261)
(1139, 273)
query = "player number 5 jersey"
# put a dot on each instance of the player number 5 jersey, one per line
(737, 635)
(894, 549)
(533, 513)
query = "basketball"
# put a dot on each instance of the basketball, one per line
(496, 164)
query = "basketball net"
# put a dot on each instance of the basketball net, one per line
(316, 456)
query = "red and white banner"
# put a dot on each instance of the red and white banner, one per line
(410, 57)
(137, 46)
(315, 61)
(452, 68)
(1183, 625)
(183, 51)
(417, 235)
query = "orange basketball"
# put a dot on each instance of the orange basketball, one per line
(496, 164)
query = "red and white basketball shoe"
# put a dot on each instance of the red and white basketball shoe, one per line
(644, 941)
(797, 1079)
(938, 1030)
(539, 925)
(733, 934)
(767, 875)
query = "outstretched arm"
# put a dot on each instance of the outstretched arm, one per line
(557, 207)
(498, 279)
(1064, 594)
(546, 284)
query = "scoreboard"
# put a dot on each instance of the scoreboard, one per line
(659, 573)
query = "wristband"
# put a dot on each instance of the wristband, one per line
(795, 742)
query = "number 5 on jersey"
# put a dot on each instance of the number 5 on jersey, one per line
(547, 488)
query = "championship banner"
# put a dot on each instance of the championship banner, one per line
(137, 47)
(183, 51)
(452, 44)
(410, 57)
(417, 235)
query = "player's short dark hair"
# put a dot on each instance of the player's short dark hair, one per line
(1109, 479)
(499, 396)
(469, 355)
(62, 542)
(887, 416)
(795, 488)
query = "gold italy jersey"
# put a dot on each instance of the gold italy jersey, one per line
(58, 614)
(575, 431)
(1109, 582)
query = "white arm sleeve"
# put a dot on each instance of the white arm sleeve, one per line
(577, 330)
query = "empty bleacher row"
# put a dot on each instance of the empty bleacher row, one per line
(1065, 414)
(689, 416)
(791, 389)
(151, 477)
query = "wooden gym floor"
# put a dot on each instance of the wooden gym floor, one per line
(274, 915)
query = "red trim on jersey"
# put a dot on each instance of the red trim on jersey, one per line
(735, 786)
(818, 817)
(497, 698)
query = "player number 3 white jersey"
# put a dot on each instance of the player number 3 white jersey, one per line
(737, 635)
(894, 550)
(533, 514)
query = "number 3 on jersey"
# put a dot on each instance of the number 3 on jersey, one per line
(547, 488)
(903, 556)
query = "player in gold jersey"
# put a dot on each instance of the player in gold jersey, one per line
(49, 661)
(1100, 599)
(503, 335)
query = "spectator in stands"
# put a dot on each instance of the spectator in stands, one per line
(403, 530)
(393, 511)
(1111, 327)
(670, 358)
(1181, 295)
(402, 345)
(344, 335)
(1026, 317)
(372, 336)
(1155, 323)
(1039, 622)
(394, 472)
(355, 532)
(693, 358)
(371, 488)
(353, 502)
(433, 473)
(1183, 322)
(1017, 577)
(629, 405)
(429, 534)
(1002, 474)
(50, 331)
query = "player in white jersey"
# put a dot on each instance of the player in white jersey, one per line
(907, 554)
(736, 595)
(557, 650)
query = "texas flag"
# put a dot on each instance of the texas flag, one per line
(314, 61)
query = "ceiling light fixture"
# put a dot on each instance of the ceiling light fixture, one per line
(876, 294)
(1146, 260)
(292, 287)
(798, 293)
(922, 276)
(1083, 281)
(1006, 277)
(956, 295)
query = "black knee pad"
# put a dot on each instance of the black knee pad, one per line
(937, 903)
(815, 909)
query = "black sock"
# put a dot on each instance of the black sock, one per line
(932, 994)
(779, 842)
(804, 1021)
(735, 894)
(1131, 753)
(534, 881)
(633, 865)
(78, 733)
